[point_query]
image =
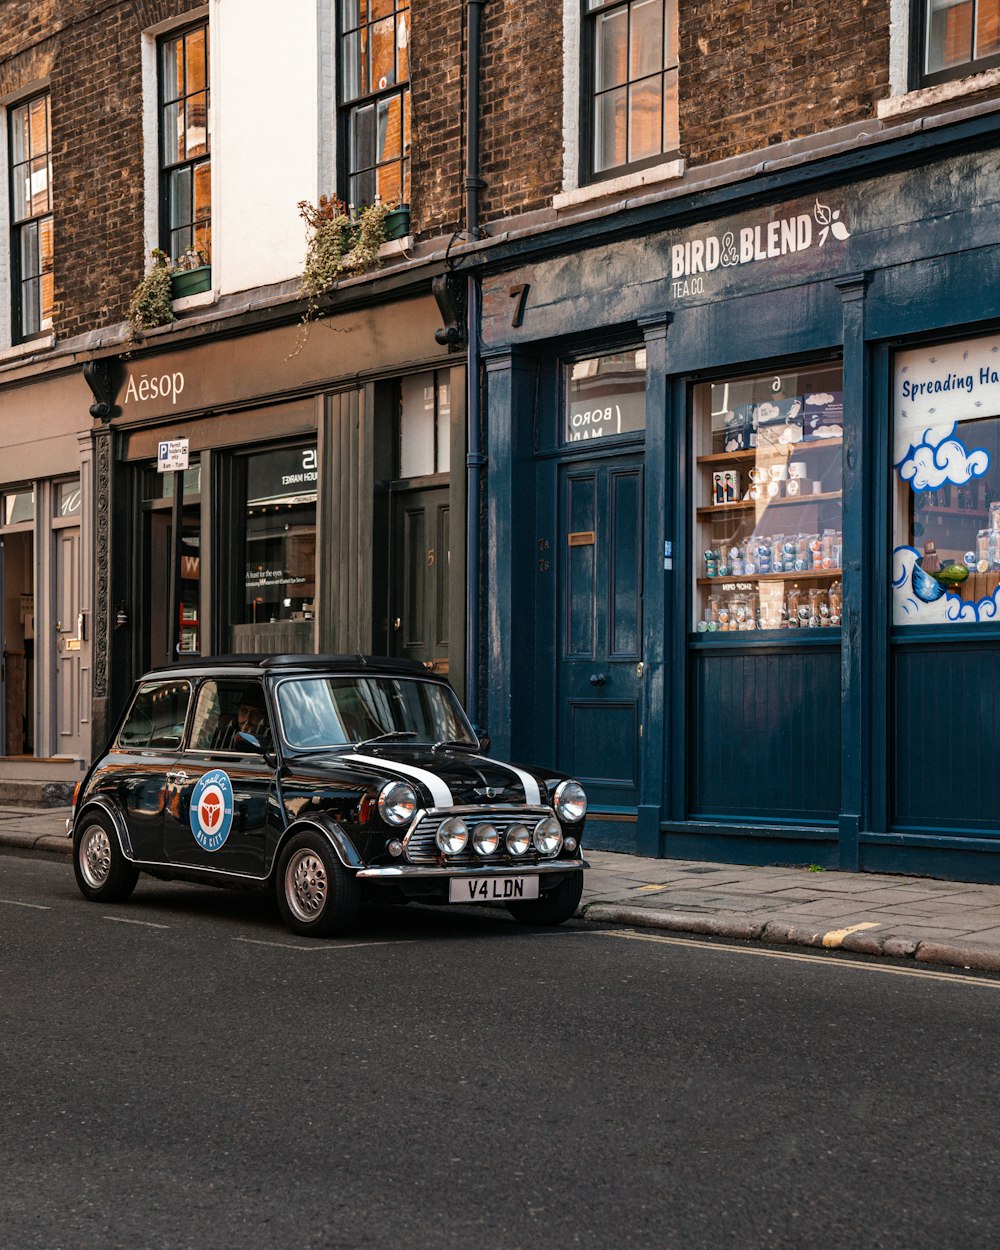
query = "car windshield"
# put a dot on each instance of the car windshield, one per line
(343, 711)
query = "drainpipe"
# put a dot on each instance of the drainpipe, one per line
(475, 460)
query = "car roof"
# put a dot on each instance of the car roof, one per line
(264, 665)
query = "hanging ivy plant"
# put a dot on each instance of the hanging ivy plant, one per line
(150, 304)
(339, 243)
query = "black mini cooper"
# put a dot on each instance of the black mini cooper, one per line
(330, 780)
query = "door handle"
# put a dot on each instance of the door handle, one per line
(177, 778)
(597, 679)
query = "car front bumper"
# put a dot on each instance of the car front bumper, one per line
(399, 872)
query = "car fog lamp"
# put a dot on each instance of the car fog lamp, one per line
(570, 844)
(397, 803)
(570, 801)
(395, 848)
(518, 840)
(548, 836)
(485, 839)
(452, 836)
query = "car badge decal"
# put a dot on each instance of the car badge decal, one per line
(487, 792)
(532, 793)
(440, 794)
(211, 811)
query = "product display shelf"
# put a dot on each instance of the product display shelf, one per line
(765, 452)
(775, 501)
(806, 575)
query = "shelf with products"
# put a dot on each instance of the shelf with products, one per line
(768, 501)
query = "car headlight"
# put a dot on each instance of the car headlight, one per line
(485, 839)
(452, 836)
(548, 836)
(397, 802)
(570, 801)
(518, 840)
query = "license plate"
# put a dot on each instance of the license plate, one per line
(491, 889)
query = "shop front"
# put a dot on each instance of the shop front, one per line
(743, 479)
(252, 497)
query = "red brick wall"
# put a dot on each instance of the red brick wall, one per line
(437, 68)
(758, 72)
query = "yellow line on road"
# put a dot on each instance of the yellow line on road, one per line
(957, 977)
(834, 938)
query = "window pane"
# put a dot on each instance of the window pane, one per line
(443, 424)
(946, 482)
(19, 506)
(21, 188)
(389, 183)
(390, 128)
(768, 528)
(646, 38)
(30, 307)
(195, 64)
(671, 133)
(380, 8)
(173, 134)
(68, 498)
(30, 264)
(40, 198)
(353, 67)
(383, 43)
(46, 289)
(171, 69)
(180, 197)
(403, 47)
(202, 191)
(949, 34)
(363, 137)
(19, 134)
(987, 28)
(38, 122)
(351, 12)
(416, 426)
(196, 129)
(605, 395)
(611, 127)
(611, 49)
(645, 128)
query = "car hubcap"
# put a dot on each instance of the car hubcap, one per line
(95, 856)
(306, 886)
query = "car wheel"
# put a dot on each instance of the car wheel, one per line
(553, 908)
(317, 897)
(103, 873)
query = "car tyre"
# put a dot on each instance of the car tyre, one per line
(317, 896)
(553, 908)
(103, 873)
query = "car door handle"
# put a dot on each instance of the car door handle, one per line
(597, 679)
(177, 778)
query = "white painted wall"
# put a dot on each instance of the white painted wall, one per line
(267, 106)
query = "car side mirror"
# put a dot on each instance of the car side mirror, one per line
(249, 742)
(484, 743)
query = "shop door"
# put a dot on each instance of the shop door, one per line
(421, 569)
(600, 627)
(69, 636)
(18, 619)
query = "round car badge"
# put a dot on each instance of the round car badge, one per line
(212, 810)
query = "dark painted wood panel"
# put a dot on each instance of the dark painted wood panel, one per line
(944, 738)
(764, 737)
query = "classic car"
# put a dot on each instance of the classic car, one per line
(329, 780)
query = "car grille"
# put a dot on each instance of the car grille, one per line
(422, 849)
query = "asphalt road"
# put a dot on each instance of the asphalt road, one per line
(180, 1071)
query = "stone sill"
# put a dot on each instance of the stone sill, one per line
(201, 300)
(667, 172)
(942, 93)
(41, 344)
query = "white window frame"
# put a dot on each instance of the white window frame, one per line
(901, 100)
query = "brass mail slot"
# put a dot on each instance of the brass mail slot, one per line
(74, 644)
(582, 538)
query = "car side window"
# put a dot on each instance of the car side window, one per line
(156, 719)
(226, 708)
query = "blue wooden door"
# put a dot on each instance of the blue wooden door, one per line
(599, 655)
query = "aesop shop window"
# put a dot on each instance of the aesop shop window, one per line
(279, 546)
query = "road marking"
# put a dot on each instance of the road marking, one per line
(146, 924)
(956, 977)
(322, 945)
(834, 938)
(11, 902)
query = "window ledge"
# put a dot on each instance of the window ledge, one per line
(201, 300)
(666, 172)
(41, 344)
(397, 247)
(941, 93)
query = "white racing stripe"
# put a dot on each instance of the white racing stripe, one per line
(532, 794)
(440, 794)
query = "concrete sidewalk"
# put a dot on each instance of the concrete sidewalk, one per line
(937, 922)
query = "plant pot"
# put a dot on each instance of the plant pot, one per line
(190, 282)
(397, 223)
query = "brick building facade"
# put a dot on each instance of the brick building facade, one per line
(674, 208)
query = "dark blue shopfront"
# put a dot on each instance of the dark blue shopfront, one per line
(742, 529)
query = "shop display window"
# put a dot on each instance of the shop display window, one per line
(605, 396)
(424, 424)
(768, 529)
(280, 553)
(946, 484)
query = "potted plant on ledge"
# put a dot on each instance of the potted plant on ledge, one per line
(191, 275)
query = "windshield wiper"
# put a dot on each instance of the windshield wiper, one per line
(461, 744)
(395, 733)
